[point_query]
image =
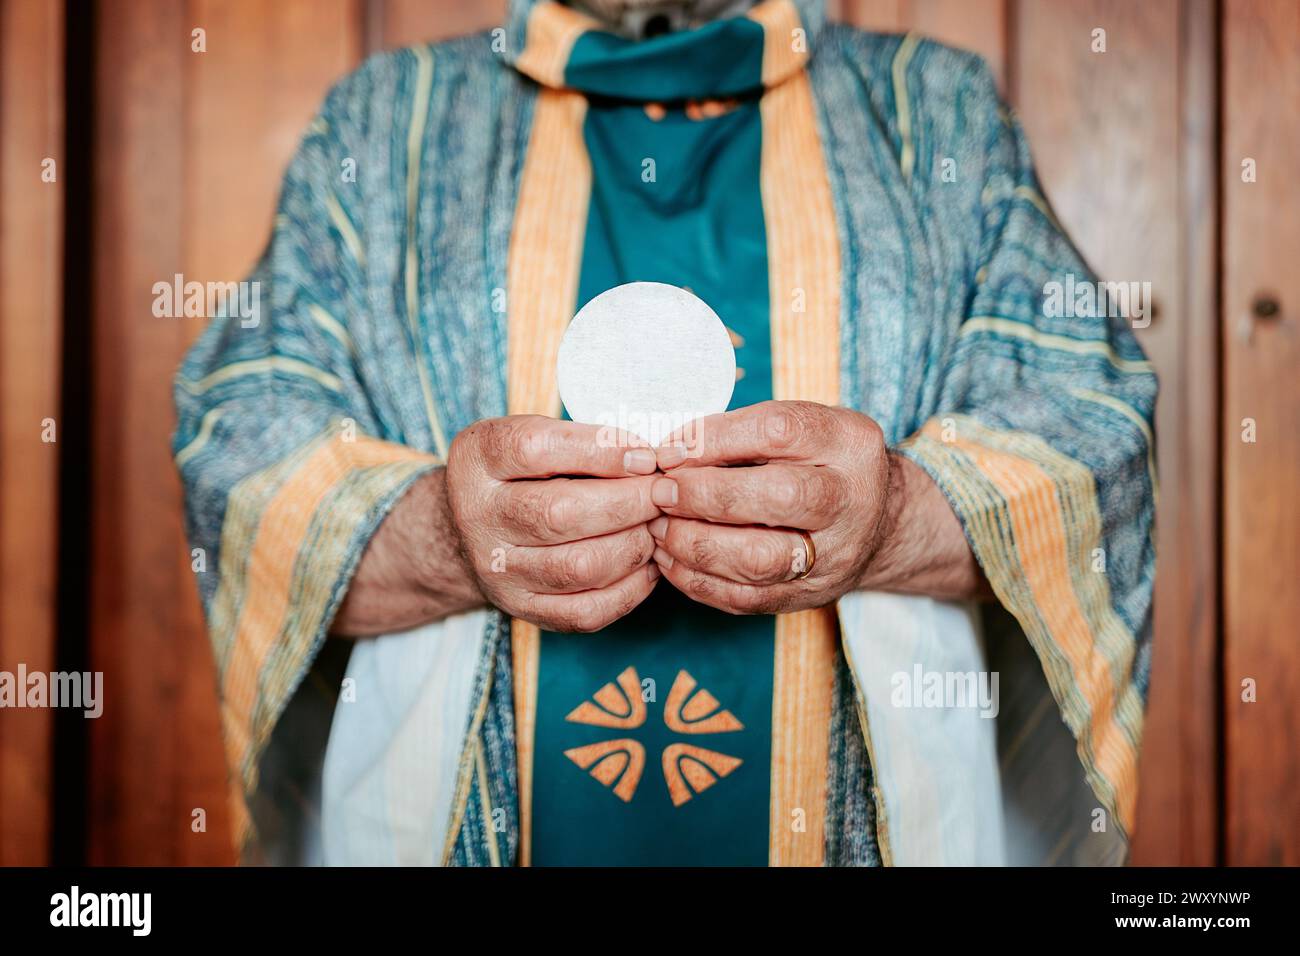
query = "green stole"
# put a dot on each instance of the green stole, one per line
(679, 735)
(698, 223)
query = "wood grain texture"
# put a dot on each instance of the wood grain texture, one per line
(31, 237)
(192, 147)
(977, 25)
(1261, 510)
(1108, 134)
(397, 23)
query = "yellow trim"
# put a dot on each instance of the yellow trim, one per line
(902, 104)
(1021, 330)
(331, 325)
(1039, 201)
(269, 572)
(344, 225)
(546, 250)
(187, 453)
(1049, 502)
(1131, 413)
(485, 802)
(280, 535)
(551, 32)
(244, 506)
(860, 705)
(542, 289)
(779, 19)
(274, 363)
(526, 642)
(803, 690)
(803, 254)
(414, 147)
(464, 778)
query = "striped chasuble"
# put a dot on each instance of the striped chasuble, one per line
(791, 173)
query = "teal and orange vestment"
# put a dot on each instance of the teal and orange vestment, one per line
(862, 212)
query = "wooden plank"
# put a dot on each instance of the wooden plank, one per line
(406, 22)
(1111, 132)
(978, 25)
(31, 241)
(266, 71)
(1178, 805)
(1261, 511)
(138, 592)
(192, 148)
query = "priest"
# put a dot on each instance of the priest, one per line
(555, 649)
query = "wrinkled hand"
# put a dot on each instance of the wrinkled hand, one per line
(552, 521)
(748, 476)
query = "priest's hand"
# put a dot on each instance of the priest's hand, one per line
(783, 506)
(551, 517)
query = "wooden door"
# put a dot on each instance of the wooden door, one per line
(1261, 431)
(191, 146)
(1117, 98)
(31, 237)
(189, 151)
(1124, 139)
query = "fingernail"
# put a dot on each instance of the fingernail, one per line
(663, 558)
(652, 571)
(640, 461)
(670, 456)
(664, 492)
(659, 528)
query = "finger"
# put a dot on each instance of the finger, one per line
(537, 513)
(581, 565)
(747, 555)
(533, 446)
(591, 610)
(731, 596)
(754, 434)
(807, 497)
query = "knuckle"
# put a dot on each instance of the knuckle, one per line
(758, 560)
(703, 551)
(637, 549)
(781, 426)
(787, 495)
(636, 500)
(570, 568)
(711, 491)
(559, 513)
(530, 610)
(699, 585)
(529, 513)
(493, 437)
(586, 615)
(788, 423)
(581, 564)
(528, 446)
(746, 601)
(615, 509)
(821, 492)
(626, 604)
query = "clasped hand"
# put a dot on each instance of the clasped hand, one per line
(717, 511)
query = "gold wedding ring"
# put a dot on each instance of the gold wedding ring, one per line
(809, 553)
